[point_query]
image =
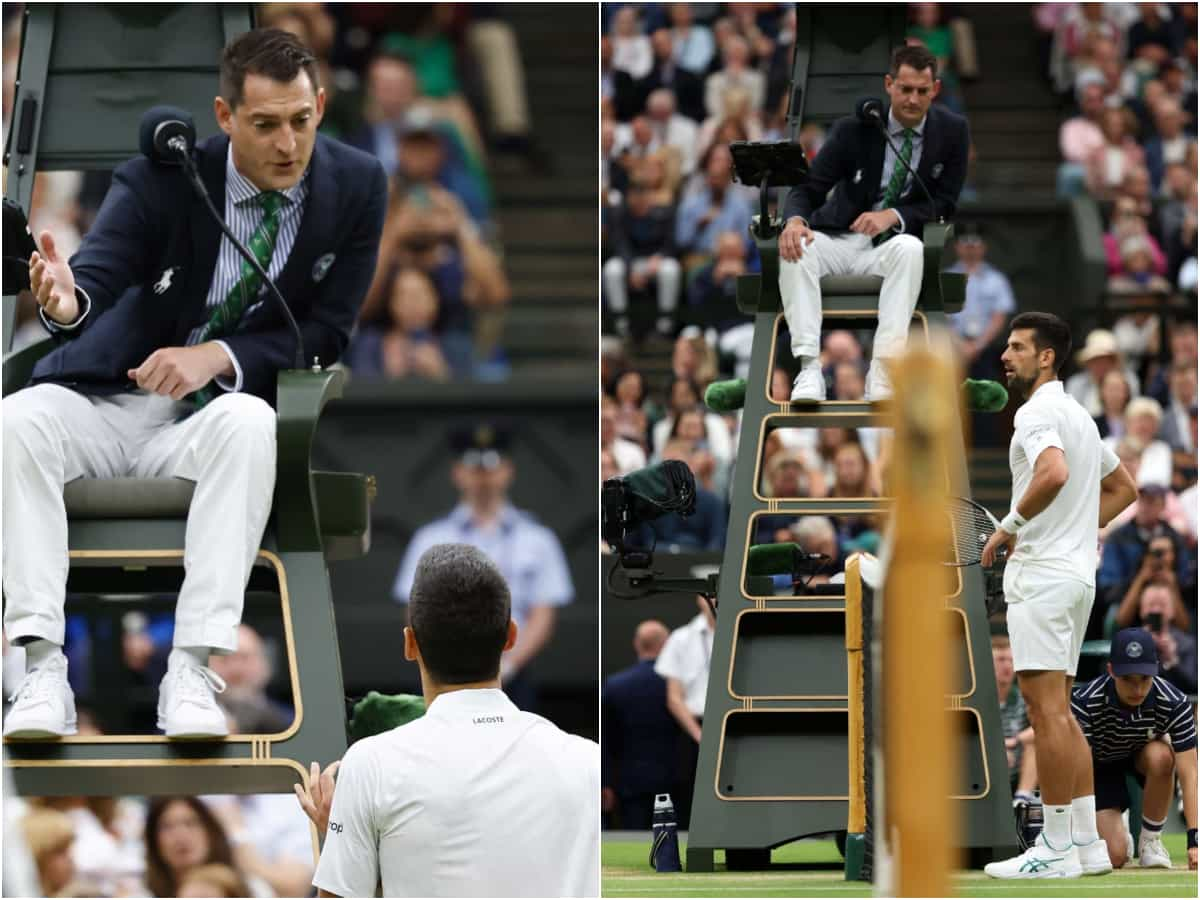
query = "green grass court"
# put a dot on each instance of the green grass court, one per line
(625, 873)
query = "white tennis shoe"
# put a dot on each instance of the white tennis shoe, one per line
(44, 704)
(1151, 852)
(1039, 861)
(809, 385)
(1094, 858)
(187, 703)
(879, 385)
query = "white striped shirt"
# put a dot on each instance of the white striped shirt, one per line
(243, 216)
(1116, 733)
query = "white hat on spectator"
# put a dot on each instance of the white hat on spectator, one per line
(1135, 243)
(1100, 342)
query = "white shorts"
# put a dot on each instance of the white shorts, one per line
(1047, 617)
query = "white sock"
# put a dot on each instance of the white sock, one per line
(1083, 820)
(188, 656)
(39, 651)
(1057, 831)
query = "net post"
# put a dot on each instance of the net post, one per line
(856, 823)
(921, 759)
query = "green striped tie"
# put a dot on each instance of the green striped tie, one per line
(896, 182)
(228, 313)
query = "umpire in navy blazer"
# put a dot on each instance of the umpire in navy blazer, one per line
(871, 223)
(168, 355)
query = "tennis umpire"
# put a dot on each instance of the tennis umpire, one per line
(476, 798)
(1127, 716)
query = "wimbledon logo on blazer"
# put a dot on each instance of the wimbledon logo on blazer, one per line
(322, 266)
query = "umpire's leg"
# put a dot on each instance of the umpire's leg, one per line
(52, 435)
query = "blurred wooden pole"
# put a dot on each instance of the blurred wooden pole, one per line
(921, 757)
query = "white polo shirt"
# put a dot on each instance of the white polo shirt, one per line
(474, 799)
(1063, 536)
(687, 656)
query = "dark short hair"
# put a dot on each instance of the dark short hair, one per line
(916, 57)
(1049, 331)
(277, 54)
(459, 609)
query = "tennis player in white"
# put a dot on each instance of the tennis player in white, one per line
(476, 798)
(1066, 484)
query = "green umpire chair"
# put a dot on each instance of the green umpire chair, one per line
(773, 761)
(87, 73)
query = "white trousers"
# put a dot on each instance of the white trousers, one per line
(616, 282)
(900, 261)
(53, 435)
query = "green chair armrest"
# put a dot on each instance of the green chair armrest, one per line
(344, 500)
(18, 365)
(300, 397)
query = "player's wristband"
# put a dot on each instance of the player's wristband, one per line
(1191, 838)
(1013, 522)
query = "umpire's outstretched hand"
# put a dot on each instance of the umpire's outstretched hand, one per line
(52, 282)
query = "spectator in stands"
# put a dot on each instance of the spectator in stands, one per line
(705, 528)
(1108, 165)
(632, 52)
(271, 840)
(528, 554)
(643, 241)
(1175, 428)
(1129, 451)
(1080, 137)
(181, 833)
(849, 382)
(1137, 270)
(684, 664)
(50, 835)
(694, 44)
(693, 358)
(1099, 356)
(683, 395)
(629, 392)
(1126, 546)
(1114, 398)
(735, 72)
(707, 214)
(667, 73)
(1157, 611)
(1169, 144)
(639, 737)
(213, 880)
(1127, 222)
(627, 454)
(1136, 186)
(1182, 346)
(1143, 418)
(1151, 38)
(671, 129)
(1157, 570)
(930, 31)
(788, 473)
(989, 302)
(618, 95)
(247, 671)
(407, 347)
(818, 534)
(1014, 720)
(712, 289)
(108, 851)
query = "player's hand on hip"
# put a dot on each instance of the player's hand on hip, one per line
(1000, 538)
(52, 282)
(793, 239)
(317, 801)
(176, 372)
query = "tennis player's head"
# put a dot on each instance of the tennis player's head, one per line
(1038, 345)
(459, 616)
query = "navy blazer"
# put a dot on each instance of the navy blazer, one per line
(639, 740)
(851, 163)
(151, 220)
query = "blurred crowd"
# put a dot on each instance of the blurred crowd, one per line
(213, 846)
(436, 92)
(1129, 72)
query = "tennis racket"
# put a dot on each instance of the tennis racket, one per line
(971, 526)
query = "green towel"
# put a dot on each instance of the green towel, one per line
(377, 713)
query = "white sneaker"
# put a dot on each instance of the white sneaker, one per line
(1039, 861)
(809, 385)
(1151, 852)
(879, 385)
(43, 704)
(187, 703)
(1094, 858)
